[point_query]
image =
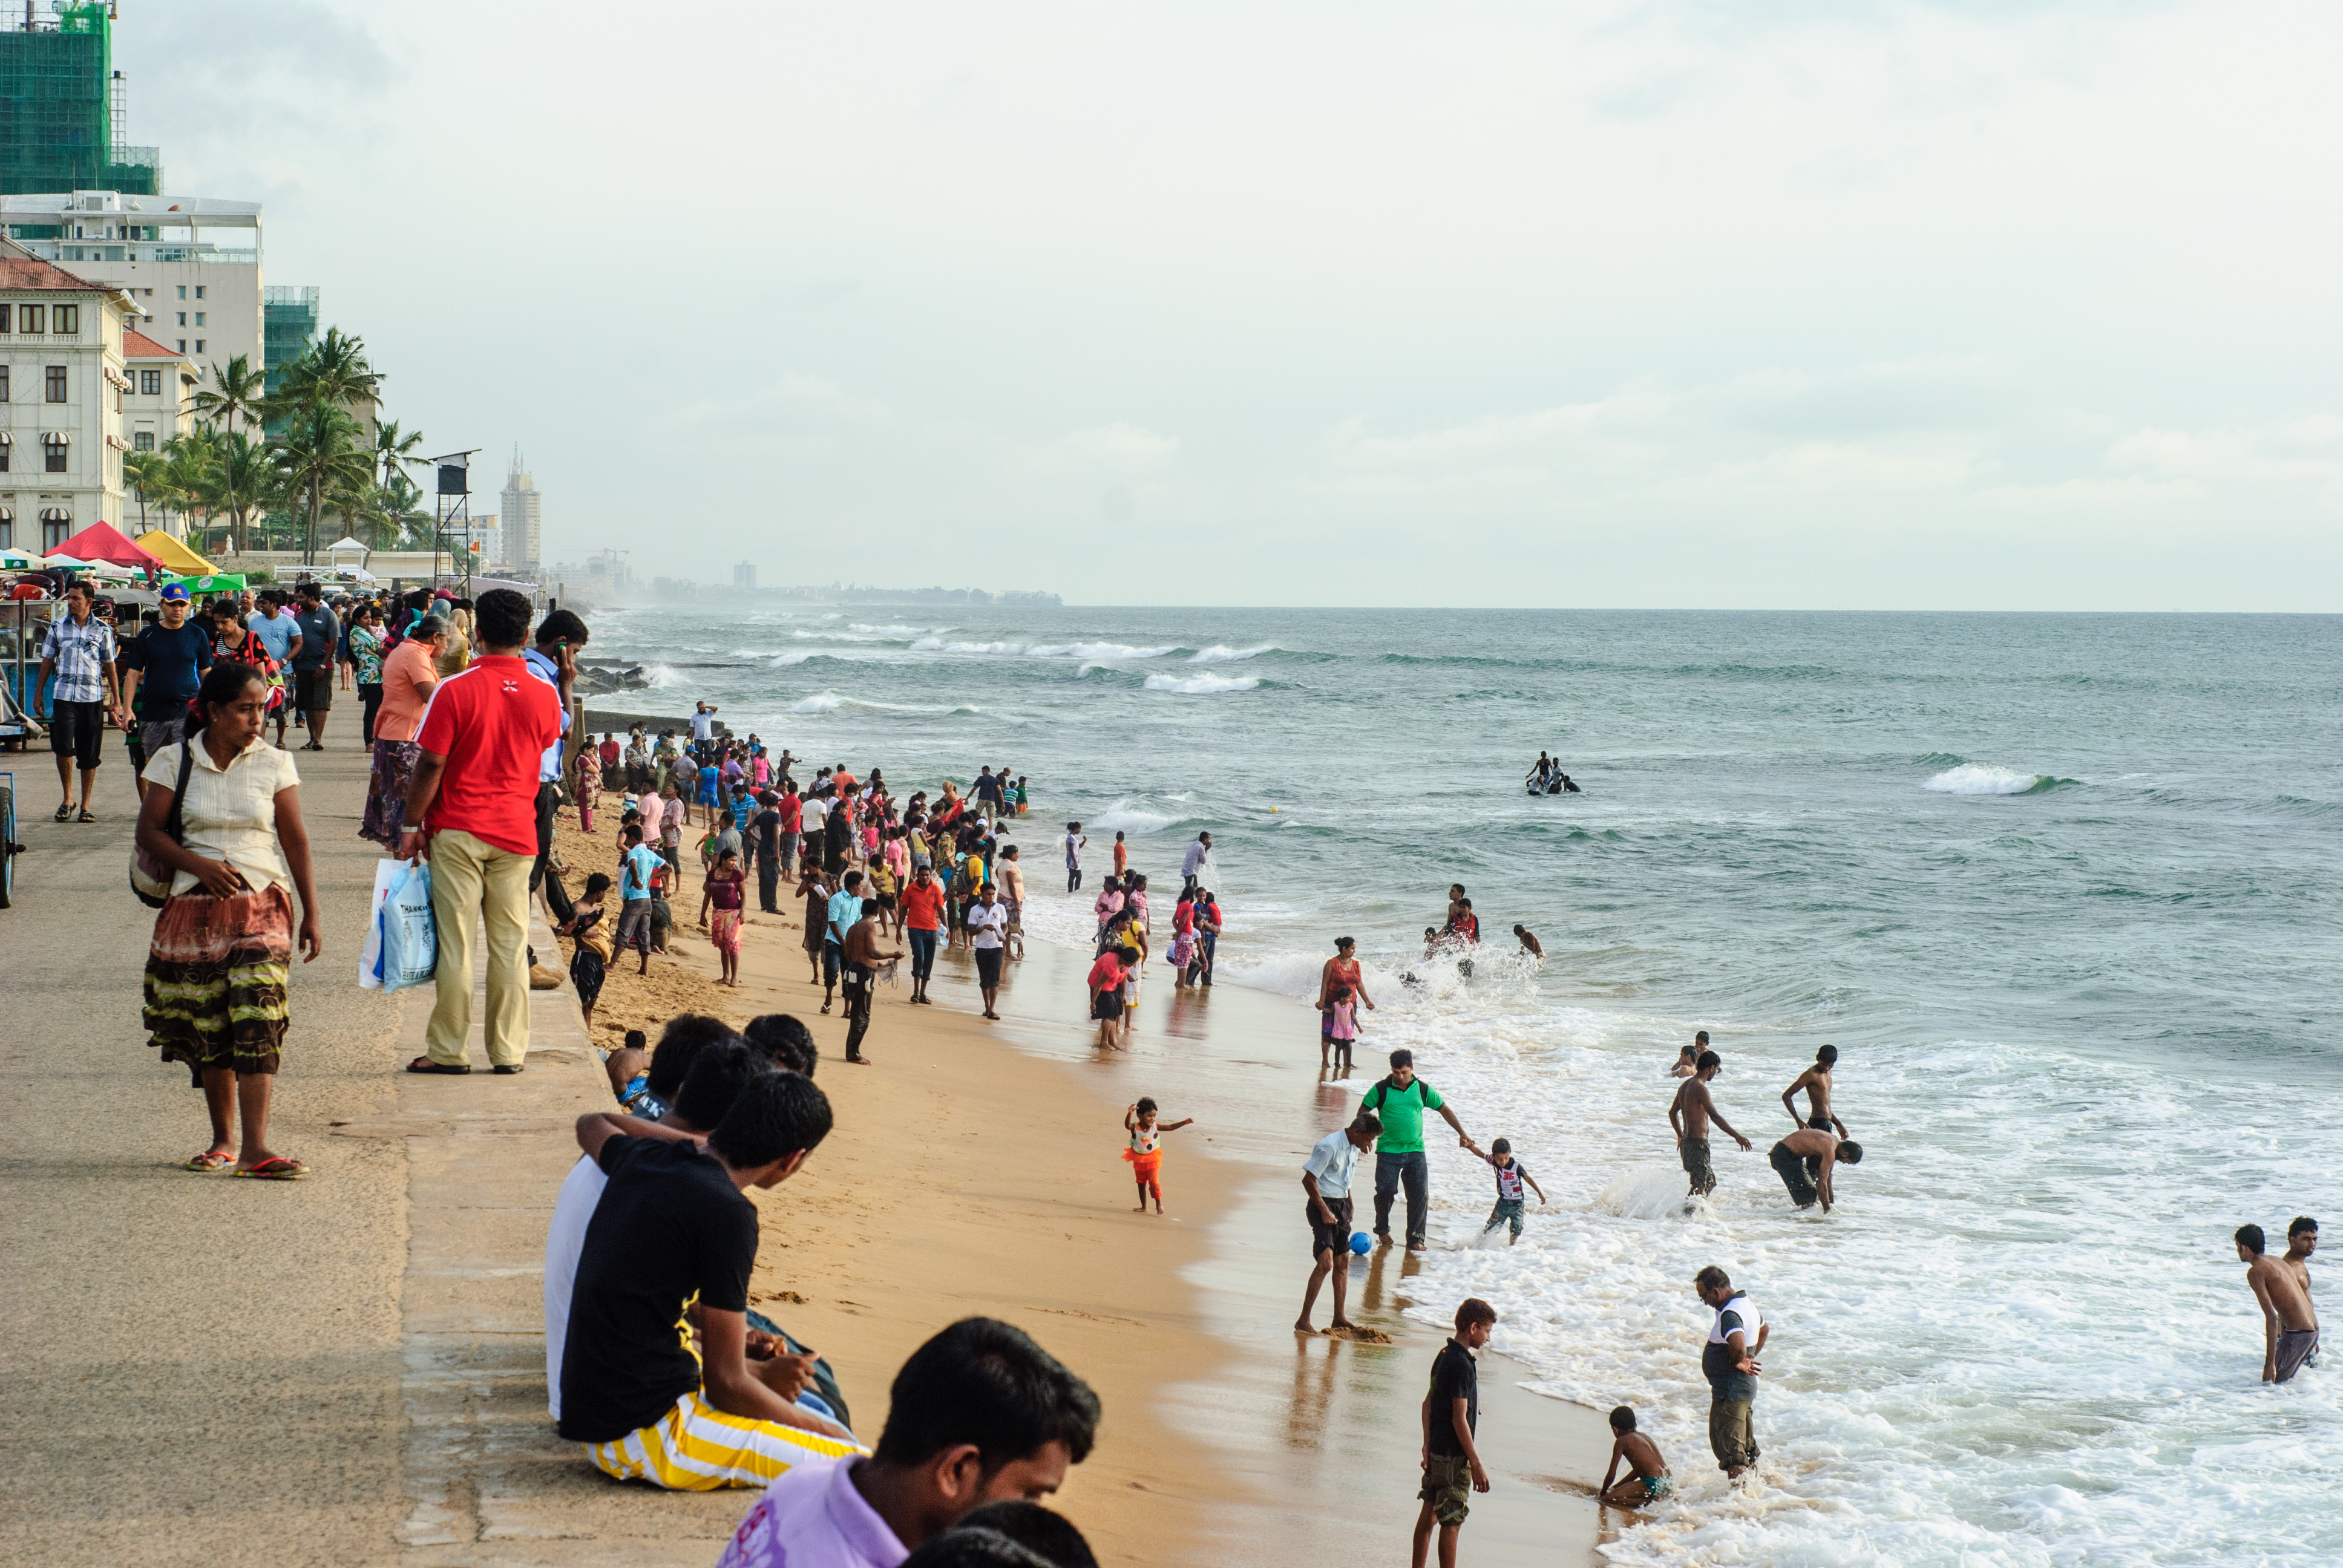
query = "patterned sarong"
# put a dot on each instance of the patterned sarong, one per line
(215, 976)
(386, 802)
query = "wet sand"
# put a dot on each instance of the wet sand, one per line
(964, 1178)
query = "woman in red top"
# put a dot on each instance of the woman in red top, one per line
(1340, 970)
(724, 892)
(923, 919)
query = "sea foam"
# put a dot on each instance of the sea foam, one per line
(1202, 685)
(1985, 779)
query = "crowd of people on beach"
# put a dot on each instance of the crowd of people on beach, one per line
(468, 714)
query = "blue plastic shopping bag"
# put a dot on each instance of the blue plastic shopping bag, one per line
(411, 942)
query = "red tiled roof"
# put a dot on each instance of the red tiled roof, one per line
(139, 345)
(25, 272)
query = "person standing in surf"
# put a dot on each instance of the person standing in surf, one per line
(1729, 1362)
(1338, 973)
(1689, 1114)
(1399, 1101)
(2289, 1326)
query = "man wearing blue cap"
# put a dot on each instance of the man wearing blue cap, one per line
(167, 661)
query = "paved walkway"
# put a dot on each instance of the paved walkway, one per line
(348, 1370)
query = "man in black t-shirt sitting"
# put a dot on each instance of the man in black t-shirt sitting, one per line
(675, 1222)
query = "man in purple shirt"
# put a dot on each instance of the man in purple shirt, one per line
(978, 1414)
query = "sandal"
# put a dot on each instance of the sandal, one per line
(65, 812)
(209, 1159)
(425, 1064)
(87, 815)
(276, 1168)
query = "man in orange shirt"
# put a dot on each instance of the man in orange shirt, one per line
(923, 921)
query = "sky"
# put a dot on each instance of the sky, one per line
(1802, 304)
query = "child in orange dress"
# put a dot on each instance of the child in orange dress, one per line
(1146, 1152)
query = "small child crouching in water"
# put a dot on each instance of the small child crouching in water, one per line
(1145, 1151)
(1511, 1174)
(1649, 1480)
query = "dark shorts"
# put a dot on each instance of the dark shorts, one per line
(1106, 1006)
(1791, 1169)
(1448, 1487)
(1334, 1238)
(1508, 1212)
(1694, 1151)
(2294, 1349)
(78, 729)
(634, 926)
(159, 735)
(313, 689)
(830, 961)
(988, 967)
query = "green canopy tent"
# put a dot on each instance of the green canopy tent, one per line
(219, 582)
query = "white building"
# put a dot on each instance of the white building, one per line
(158, 405)
(192, 263)
(63, 389)
(520, 546)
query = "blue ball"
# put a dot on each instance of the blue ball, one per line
(1359, 1242)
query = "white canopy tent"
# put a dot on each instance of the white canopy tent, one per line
(346, 545)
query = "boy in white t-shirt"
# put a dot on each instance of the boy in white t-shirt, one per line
(1074, 842)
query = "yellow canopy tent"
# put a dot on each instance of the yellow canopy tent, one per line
(174, 555)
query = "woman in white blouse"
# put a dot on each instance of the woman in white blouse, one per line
(223, 947)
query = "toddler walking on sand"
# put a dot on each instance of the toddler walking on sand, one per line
(1649, 1480)
(1511, 1174)
(1146, 1152)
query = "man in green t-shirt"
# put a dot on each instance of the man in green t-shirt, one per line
(1400, 1100)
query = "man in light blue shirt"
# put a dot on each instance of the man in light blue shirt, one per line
(1326, 1178)
(637, 867)
(845, 908)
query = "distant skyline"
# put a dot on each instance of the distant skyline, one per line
(1686, 304)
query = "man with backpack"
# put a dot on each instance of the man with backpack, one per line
(1399, 1100)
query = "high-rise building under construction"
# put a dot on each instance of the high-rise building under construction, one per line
(62, 106)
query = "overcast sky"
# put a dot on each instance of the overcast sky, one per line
(1780, 304)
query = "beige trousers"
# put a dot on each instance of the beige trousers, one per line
(473, 880)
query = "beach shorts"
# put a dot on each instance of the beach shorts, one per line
(694, 1447)
(1791, 1169)
(1448, 1487)
(988, 967)
(1106, 1006)
(1695, 1154)
(78, 729)
(2296, 1347)
(159, 735)
(1656, 1487)
(1508, 1212)
(830, 960)
(313, 689)
(1334, 1238)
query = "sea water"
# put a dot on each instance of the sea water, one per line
(2064, 890)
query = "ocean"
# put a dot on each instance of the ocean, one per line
(2062, 890)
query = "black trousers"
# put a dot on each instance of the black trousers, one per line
(769, 884)
(858, 1010)
(556, 897)
(1394, 1171)
(370, 698)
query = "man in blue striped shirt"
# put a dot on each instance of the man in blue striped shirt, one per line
(79, 650)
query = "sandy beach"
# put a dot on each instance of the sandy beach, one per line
(975, 1169)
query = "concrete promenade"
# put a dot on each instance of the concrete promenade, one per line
(344, 1369)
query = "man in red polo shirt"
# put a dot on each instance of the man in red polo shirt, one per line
(472, 810)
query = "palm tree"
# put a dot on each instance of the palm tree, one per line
(235, 395)
(244, 474)
(394, 452)
(317, 457)
(334, 371)
(148, 473)
(186, 471)
(409, 520)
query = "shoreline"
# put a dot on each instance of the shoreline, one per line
(1323, 1438)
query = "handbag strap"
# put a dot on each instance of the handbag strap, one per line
(175, 824)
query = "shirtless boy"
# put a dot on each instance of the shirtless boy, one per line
(1649, 1480)
(1817, 1083)
(1689, 1114)
(1805, 1161)
(2282, 1286)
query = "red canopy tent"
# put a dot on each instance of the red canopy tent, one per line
(104, 542)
